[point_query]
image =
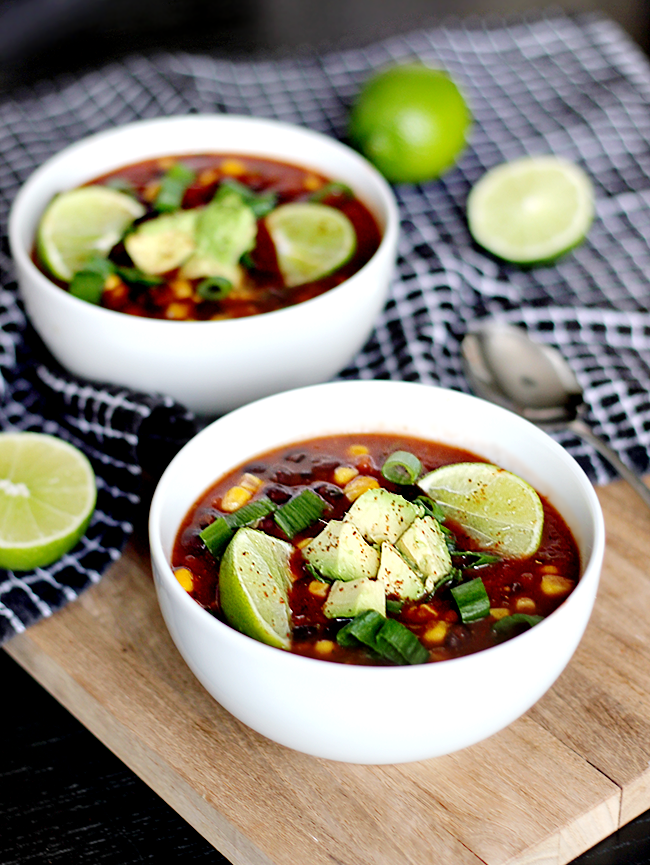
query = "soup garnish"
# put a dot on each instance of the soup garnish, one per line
(205, 237)
(336, 548)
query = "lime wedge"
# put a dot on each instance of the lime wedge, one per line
(531, 210)
(311, 240)
(498, 509)
(254, 581)
(81, 224)
(47, 497)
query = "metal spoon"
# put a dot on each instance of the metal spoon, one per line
(505, 366)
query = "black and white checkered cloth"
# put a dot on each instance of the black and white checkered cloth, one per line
(578, 88)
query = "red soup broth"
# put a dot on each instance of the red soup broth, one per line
(263, 289)
(534, 586)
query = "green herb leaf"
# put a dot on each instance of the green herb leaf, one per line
(133, 276)
(401, 467)
(260, 203)
(472, 600)
(172, 188)
(332, 189)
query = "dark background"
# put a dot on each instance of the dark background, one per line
(39, 38)
(64, 798)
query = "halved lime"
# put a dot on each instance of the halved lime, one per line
(82, 223)
(531, 210)
(311, 240)
(254, 581)
(498, 509)
(47, 497)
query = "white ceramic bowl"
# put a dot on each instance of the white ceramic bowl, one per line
(215, 366)
(375, 714)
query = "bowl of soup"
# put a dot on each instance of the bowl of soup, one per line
(321, 582)
(214, 258)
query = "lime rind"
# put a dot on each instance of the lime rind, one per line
(498, 509)
(254, 580)
(82, 223)
(531, 210)
(311, 240)
(47, 497)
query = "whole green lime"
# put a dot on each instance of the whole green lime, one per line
(411, 122)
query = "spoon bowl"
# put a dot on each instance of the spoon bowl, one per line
(505, 366)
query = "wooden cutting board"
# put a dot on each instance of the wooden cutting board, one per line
(552, 785)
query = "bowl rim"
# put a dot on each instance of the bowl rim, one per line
(17, 214)
(590, 568)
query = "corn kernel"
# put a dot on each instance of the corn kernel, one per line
(233, 167)
(250, 482)
(208, 176)
(166, 162)
(499, 612)
(318, 589)
(344, 474)
(324, 647)
(235, 498)
(303, 542)
(525, 605)
(312, 183)
(554, 584)
(185, 578)
(358, 450)
(181, 289)
(435, 635)
(358, 486)
(112, 281)
(151, 190)
(549, 569)
(177, 310)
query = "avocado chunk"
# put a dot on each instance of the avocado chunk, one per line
(381, 515)
(356, 557)
(225, 229)
(339, 552)
(397, 576)
(348, 599)
(423, 546)
(322, 551)
(164, 243)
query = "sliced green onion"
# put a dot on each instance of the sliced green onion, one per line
(362, 629)
(472, 600)
(172, 188)
(88, 284)
(214, 288)
(260, 203)
(300, 512)
(217, 535)
(388, 638)
(508, 626)
(398, 644)
(402, 467)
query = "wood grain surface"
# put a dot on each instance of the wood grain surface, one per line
(544, 790)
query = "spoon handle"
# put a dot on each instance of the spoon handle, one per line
(580, 428)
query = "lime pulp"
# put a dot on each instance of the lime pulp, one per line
(47, 498)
